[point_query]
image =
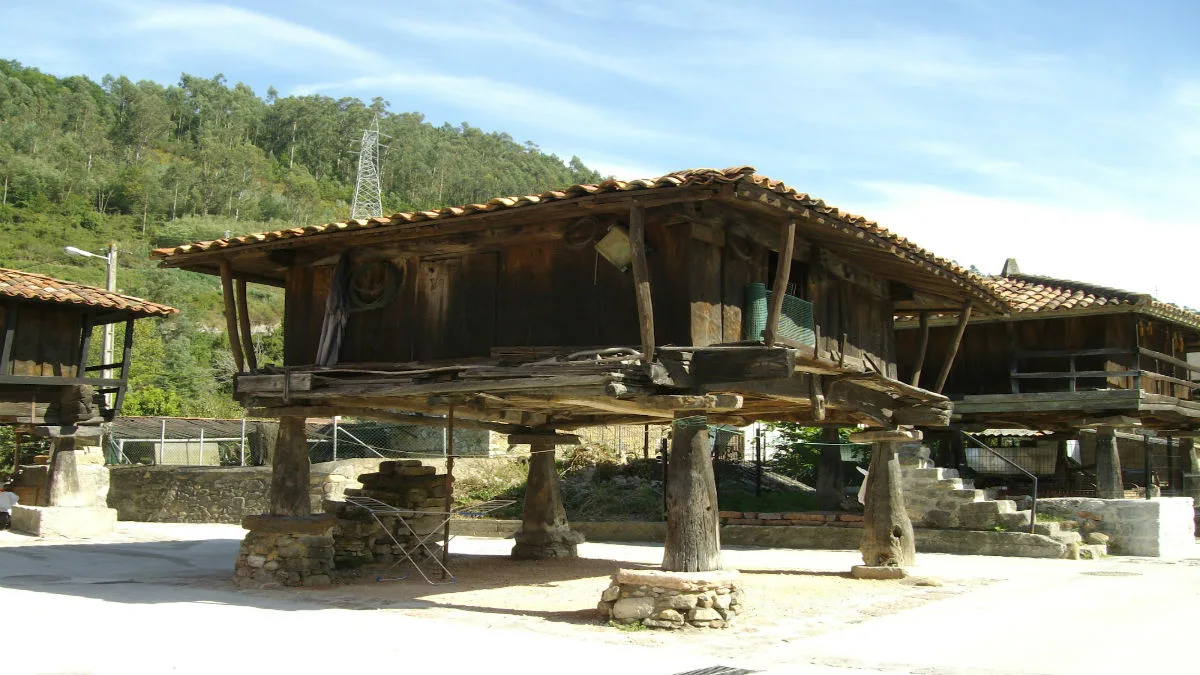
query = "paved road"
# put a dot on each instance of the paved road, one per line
(131, 607)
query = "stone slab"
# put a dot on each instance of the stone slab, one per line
(70, 522)
(886, 435)
(678, 581)
(878, 572)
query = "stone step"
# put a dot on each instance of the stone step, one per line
(985, 515)
(1065, 537)
(1092, 551)
(935, 473)
(968, 495)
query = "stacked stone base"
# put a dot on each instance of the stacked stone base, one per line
(281, 551)
(407, 484)
(673, 600)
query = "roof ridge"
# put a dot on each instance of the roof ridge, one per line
(1081, 285)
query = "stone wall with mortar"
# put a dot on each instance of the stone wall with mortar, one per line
(197, 494)
(1163, 527)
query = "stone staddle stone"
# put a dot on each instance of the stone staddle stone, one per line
(878, 572)
(673, 600)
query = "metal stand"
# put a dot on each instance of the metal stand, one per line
(377, 509)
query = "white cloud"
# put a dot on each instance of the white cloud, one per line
(1109, 244)
(533, 108)
(223, 29)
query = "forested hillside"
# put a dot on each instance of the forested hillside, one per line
(144, 164)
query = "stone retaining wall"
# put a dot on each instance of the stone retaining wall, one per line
(201, 494)
(805, 518)
(1163, 527)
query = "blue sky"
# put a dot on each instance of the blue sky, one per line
(1065, 134)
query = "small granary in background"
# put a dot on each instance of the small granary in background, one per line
(1071, 357)
(49, 388)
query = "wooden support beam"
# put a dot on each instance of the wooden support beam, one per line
(9, 338)
(448, 482)
(963, 318)
(641, 280)
(290, 470)
(244, 324)
(85, 343)
(783, 269)
(231, 326)
(693, 539)
(126, 357)
(920, 362)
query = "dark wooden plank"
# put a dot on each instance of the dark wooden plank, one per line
(243, 313)
(709, 367)
(704, 274)
(27, 345)
(8, 338)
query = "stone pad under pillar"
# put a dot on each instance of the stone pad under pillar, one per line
(69, 522)
(541, 545)
(286, 551)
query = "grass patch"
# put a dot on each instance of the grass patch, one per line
(627, 627)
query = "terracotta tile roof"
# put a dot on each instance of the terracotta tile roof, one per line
(884, 240)
(1028, 294)
(29, 286)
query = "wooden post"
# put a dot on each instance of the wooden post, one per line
(641, 280)
(787, 243)
(231, 325)
(829, 471)
(244, 324)
(693, 542)
(963, 317)
(545, 532)
(290, 470)
(888, 539)
(920, 362)
(449, 482)
(1108, 465)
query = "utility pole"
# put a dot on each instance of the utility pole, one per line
(367, 190)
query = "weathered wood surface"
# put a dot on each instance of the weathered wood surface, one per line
(641, 280)
(783, 270)
(243, 312)
(231, 322)
(888, 539)
(1109, 484)
(544, 532)
(693, 541)
(290, 470)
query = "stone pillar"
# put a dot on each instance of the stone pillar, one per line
(288, 546)
(829, 471)
(76, 487)
(1108, 465)
(693, 542)
(290, 470)
(888, 544)
(545, 532)
(1191, 464)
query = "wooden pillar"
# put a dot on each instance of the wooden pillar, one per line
(641, 280)
(545, 532)
(924, 347)
(1108, 465)
(830, 480)
(693, 542)
(888, 539)
(243, 312)
(783, 270)
(963, 317)
(290, 470)
(231, 323)
(1062, 466)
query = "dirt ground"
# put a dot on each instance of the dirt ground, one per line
(790, 595)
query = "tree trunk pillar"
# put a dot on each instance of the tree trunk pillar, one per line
(830, 479)
(1108, 465)
(290, 470)
(693, 542)
(888, 540)
(545, 532)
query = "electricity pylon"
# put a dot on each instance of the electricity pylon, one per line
(367, 192)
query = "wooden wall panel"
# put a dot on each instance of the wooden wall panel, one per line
(705, 280)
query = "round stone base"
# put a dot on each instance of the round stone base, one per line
(878, 572)
(542, 545)
(673, 600)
